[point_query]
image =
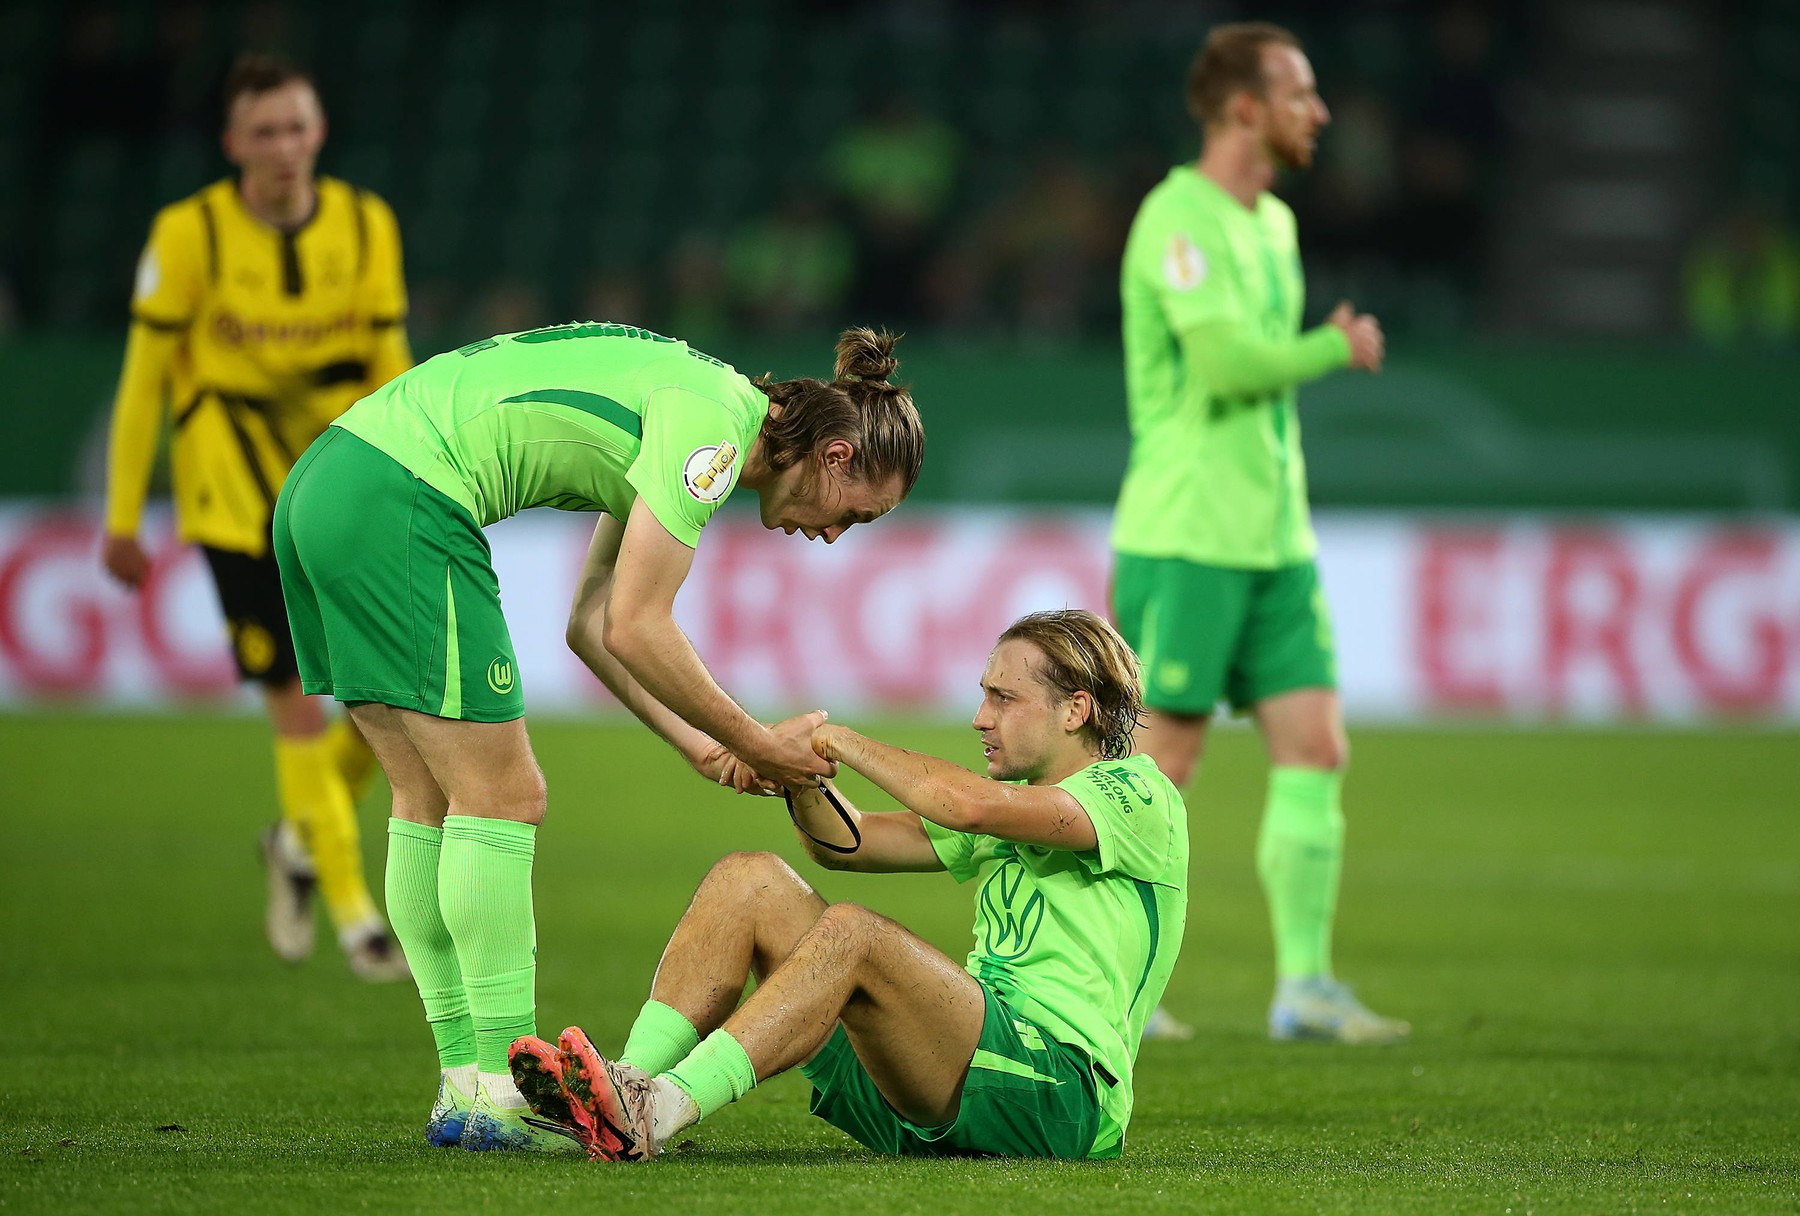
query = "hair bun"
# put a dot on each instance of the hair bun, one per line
(866, 354)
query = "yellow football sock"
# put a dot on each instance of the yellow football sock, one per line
(350, 752)
(315, 799)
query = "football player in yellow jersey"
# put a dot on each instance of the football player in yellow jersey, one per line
(265, 306)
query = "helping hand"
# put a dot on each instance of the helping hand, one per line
(721, 766)
(790, 758)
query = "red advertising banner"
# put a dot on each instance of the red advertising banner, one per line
(1611, 619)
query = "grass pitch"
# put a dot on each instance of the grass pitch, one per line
(1597, 938)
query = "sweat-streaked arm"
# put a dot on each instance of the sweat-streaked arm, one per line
(951, 796)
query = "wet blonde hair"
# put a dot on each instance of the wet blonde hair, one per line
(1082, 653)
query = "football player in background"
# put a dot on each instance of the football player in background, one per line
(265, 305)
(1215, 584)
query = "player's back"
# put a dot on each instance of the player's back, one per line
(557, 416)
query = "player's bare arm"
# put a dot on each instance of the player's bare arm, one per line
(587, 625)
(885, 842)
(951, 796)
(585, 630)
(637, 627)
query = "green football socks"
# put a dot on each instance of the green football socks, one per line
(412, 899)
(484, 890)
(715, 1074)
(659, 1040)
(1299, 855)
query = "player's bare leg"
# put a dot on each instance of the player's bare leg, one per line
(912, 1016)
(415, 839)
(1299, 857)
(481, 922)
(1176, 742)
(746, 917)
(1304, 728)
(417, 797)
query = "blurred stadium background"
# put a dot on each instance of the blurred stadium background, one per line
(1576, 220)
(1571, 501)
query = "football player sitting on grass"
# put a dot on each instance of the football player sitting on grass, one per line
(1080, 849)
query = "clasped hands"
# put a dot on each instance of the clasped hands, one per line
(799, 756)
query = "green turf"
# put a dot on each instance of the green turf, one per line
(1596, 936)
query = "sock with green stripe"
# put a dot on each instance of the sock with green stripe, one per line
(714, 1074)
(484, 889)
(1299, 855)
(412, 900)
(660, 1039)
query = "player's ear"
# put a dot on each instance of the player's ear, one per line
(1080, 711)
(836, 455)
(1243, 107)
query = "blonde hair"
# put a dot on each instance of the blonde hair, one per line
(857, 404)
(1082, 653)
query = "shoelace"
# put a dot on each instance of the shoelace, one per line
(635, 1088)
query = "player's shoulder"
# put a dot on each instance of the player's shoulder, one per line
(1275, 210)
(1176, 206)
(185, 226)
(1183, 195)
(365, 209)
(191, 210)
(700, 375)
(1131, 784)
(336, 189)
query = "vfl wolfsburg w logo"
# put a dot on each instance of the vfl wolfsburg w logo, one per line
(500, 676)
(1012, 910)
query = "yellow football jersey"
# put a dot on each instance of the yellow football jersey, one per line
(250, 340)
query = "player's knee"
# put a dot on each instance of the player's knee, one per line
(1325, 749)
(747, 870)
(1179, 769)
(847, 927)
(751, 879)
(529, 797)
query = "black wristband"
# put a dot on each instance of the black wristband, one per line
(843, 814)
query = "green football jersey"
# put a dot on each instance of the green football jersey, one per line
(581, 417)
(1084, 943)
(1213, 477)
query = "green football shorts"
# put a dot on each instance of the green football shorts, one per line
(1026, 1095)
(390, 588)
(1204, 633)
